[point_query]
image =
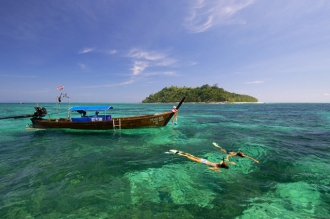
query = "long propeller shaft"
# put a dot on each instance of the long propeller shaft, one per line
(17, 117)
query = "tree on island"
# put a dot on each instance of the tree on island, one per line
(205, 93)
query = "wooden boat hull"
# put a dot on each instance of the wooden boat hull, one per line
(145, 121)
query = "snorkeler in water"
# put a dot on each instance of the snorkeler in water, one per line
(233, 154)
(212, 166)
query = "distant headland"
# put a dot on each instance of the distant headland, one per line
(203, 94)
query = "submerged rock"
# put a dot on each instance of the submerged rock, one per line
(170, 184)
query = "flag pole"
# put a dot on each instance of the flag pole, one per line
(56, 108)
(58, 100)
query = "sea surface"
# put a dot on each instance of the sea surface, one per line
(127, 174)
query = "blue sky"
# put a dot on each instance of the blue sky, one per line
(123, 51)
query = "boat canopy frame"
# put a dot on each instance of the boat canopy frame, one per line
(90, 108)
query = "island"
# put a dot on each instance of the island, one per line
(203, 94)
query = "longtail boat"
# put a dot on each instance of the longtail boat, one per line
(97, 121)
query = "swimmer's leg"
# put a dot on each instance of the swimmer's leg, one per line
(252, 159)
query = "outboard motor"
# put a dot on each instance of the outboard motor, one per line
(39, 112)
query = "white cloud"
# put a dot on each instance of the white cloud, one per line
(86, 50)
(206, 14)
(192, 63)
(126, 82)
(326, 94)
(167, 73)
(110, 85)
(254, 82)
(112, 51)
(143, 59)
(166, 62)
(149, 55)
(82, 66)
(139, 67)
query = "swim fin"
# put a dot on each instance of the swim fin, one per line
(215, 144)
(176, 151)
(171, 152)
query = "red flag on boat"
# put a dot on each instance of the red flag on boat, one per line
(60, 88)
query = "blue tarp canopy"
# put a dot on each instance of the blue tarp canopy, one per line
(90, 108)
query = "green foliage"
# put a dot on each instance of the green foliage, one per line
(205, 93)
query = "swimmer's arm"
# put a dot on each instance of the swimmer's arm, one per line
(223, 150)
(252, 159)
(227, 157)
(215, 169)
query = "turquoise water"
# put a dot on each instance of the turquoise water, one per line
(126, 174)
